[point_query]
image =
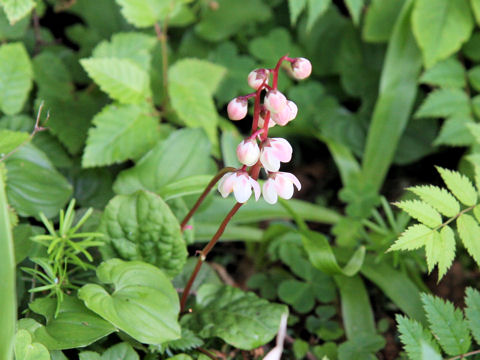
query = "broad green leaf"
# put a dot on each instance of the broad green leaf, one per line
(446, 73)
(444, 103)
(144, 304)
(440, 250)
(230, 17)
(421, 211)
(205, 231)
(145, 13)
(474, 77)
(12, 32)
(295, 8)
(355, 9)
(441, 27)
(131, 45)
(412, 238)
(397, 93)
(298, 294)
(472, 311)
(438, 198)
(75, 325)
(469, 230)
(122, 351)
(456, 131)
(471, 48)
(316, 8)
(413, 335)
(10, 140)
(15, 77)
(17, 9)
(25, 349)
(121, 79)
(34, 185)
(380, 19)
(22, 242)
(89, 355)
(271, 47)
(121, 132)
(52, 77)
(476, 9)
(362, 347)
(141, 226)
(459, 185)
(188, 186)
(241, 319)
(448, 325)
(185, 153)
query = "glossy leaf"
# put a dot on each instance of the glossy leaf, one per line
(144, 305)
(25, 349)
(10, 140)
(122, 351)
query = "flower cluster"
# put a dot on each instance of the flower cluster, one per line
(258, 150)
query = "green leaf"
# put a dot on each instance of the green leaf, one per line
(471, 48)
(17, 9)
(476, 9)
(89, 355)
(453, 25)
(145, 13)
(230, 17)
(412, 238)
(362, 347)
(355, 9)
(316, 8)
(241, 319)
(459, 185)
(74, 326)
(441, 250)
(380, 18)
(26, 350)
(469, 230)
(15, 77)
(185, 153)
(34, 185)
(456, 131)
(10, 140)
(413, 336)
(444, 103)
(272, 46)
(122, 132)
(141, 226)
(472, 311)
(298, 294)
(421, 211)
(12, 32)
(144, 305)
(448, 325)
(295, 8)
(474, 77)
(52, 77)
(188, 186)
(122, 351)
(438, 198)
(121, 79)
(446, 73)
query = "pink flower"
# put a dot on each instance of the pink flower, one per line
(248, 152)
(275, 101)
(288, 113)
(261, 120)
(279, 184)
(237, 109)
(274, 151)
(257, 77)
(301, 68)
(241, 184)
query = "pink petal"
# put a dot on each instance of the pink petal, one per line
(269, 160)
(242, 189)
(292, 178)
(283, 149)
(225, 185)
(284, 187)
(270, 192)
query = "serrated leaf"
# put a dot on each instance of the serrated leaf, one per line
(469, 232)
(472, 312)
(25, 349)
(412, 238)
(355, 9)
(17, 9)
(448, 325)
(145, 13)
(438, 198)
(295, 7)
(121, 132)
(15, 77)
(121, 79)
(52, 77)
(10, 140)
(444, 103)
(446, 73)
(141, 226)
(316, 8)
(459, 185)
(239, 318)
(413, 335)
(188, 341)
(144, 305)
(440, 250)
(456, 131)
(122, 351)
(421, 211)
(453, 25)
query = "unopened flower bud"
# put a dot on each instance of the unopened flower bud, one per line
(237, 109)
(301, 68)
(248, 152)
(257, 77)
(275, 101)
(288, 113)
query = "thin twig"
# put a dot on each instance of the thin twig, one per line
(465, 355)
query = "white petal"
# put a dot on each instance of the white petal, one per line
(292, 178)
(284, 187)
(225, 185)
(256, 188)
(268, 159)
(282, 149)
(242, 189)
(270, 192)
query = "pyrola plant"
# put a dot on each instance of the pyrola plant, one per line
(257, 151)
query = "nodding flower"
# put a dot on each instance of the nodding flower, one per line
(275, 101)
(237, 109)
(248, 152)
(274, 151)
(301, 68)
(241, 184)
(288, 113)
(279, 184)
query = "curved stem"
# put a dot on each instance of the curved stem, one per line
(204, 195)
(465, 355)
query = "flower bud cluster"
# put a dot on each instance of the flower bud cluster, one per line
(258, 150)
